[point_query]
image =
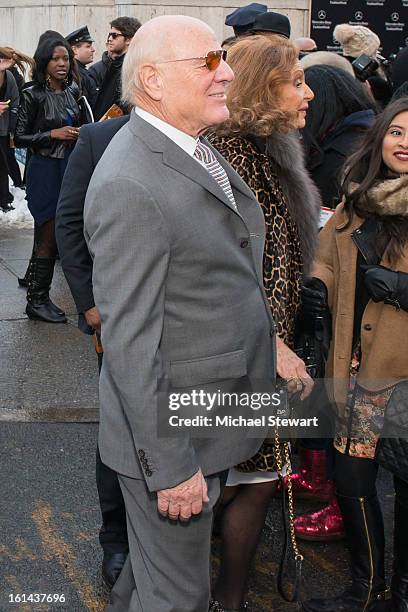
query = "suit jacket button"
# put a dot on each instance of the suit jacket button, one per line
(244, 244)
(367, 327)
(148, 473)
(141, 453)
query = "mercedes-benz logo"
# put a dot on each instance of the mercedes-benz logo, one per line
(394, 17)
(321, 14)
(358, 16)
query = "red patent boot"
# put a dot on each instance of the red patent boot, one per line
(321, 526)
(311, 480)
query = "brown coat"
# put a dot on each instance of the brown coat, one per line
(384, 330)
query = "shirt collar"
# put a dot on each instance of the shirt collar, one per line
(183, 140)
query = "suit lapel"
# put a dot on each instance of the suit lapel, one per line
(179, 160)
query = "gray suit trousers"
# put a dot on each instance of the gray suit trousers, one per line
(168, 567)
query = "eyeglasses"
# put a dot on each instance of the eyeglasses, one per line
(114, 35)
(212, 59)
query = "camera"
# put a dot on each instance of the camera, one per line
(364, 67)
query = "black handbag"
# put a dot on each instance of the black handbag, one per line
(392, 447)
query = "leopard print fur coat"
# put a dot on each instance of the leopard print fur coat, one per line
(274, 170)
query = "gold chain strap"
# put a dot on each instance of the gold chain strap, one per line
(279, 467)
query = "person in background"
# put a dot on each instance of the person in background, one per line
(338, 117)
(361, 273)
(271, 23)
(360, 40)
(48, 124)
(106, 73)
(327, 58)
(305, 45)
(83, 49)
(23, 281)
(76, 264)
(9, 101)
(399, 73)
(242, 19)
(20, 63)
(268, 102)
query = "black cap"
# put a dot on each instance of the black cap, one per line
(275, 23)
(80, 35)
(242, 18)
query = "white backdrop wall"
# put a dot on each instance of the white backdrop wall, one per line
(22, 21)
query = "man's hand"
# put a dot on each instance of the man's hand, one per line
(93, 319)
(291, 368)
(185, 500)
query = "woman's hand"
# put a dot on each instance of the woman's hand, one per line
(291, 368)
(65, 133)
(6, 64)
(4, 106)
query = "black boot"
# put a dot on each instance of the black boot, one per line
(23, 282)
(364, 528)
(399, 585)
(39, 305)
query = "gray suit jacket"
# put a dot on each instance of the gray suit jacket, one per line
(178, 282)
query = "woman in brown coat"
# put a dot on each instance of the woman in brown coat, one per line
(268, 101)
(362, 270)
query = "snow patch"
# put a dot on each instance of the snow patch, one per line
(21, 216)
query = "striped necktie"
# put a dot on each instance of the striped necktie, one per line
(211, 163)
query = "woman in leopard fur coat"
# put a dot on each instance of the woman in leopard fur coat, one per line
(268, 102)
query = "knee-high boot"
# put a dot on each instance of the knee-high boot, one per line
(399, 584)
(39, 305)
(364, 529)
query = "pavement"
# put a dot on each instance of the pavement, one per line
(49, 512)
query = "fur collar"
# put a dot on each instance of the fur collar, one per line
(302, 196)
(389, 198)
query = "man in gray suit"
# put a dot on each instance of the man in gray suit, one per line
(177, 241)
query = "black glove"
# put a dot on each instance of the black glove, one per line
(313, 327)
(385, 285)
(314, 297)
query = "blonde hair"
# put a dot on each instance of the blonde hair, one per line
(261, 65)
(21, 60)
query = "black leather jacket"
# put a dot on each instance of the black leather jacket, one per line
(41, 110)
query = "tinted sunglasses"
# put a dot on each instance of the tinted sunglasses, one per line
(212, 59)
(114, 35)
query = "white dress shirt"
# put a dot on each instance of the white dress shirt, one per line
(181, 139)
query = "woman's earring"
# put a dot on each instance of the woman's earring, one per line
(48, 81)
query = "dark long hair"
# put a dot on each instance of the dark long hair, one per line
(337, 95)
(366, 168)
(43, 55)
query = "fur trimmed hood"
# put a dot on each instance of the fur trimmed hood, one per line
(302, 195)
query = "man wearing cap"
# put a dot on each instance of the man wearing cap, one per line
(242, 19)
(271, 23)
(82, 46)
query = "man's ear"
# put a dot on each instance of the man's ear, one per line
(151, 81)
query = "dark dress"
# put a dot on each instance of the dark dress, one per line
(41, 111)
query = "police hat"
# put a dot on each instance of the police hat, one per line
(275, 23)
(80, 35)
(242, 18)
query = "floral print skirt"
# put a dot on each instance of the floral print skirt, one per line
(358, 432)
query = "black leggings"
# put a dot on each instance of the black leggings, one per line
(356, 477)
